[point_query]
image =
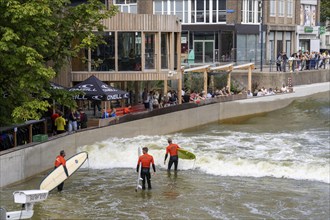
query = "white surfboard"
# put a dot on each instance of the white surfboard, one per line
(139, 179)
(58, 175)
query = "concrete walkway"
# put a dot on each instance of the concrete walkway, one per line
(301, 91)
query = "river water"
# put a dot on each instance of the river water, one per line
(271, 166)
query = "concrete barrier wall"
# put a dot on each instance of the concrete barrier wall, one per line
(28, 161)
(276, 79)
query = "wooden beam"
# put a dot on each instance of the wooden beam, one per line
(228, 67)
(198, 69)
(244, 66)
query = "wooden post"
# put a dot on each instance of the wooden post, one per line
(250, 78)
(212, 83)
(165, 86)
(229, 80)
(205, 81)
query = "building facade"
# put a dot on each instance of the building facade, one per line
(281, 22)
(230, 30)
(308, 38)
(212, 30)
(325, 37)
(138, 48)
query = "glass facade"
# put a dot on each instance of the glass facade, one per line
(126, 6)
(103, 57)
(129, 51)
(251, 11)
(164, 50)
(307, 15)
(247, 48)
(193, 11)
(150, 51)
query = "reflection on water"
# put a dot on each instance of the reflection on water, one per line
(270, 166)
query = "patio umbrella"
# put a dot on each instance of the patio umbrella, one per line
(95, 89)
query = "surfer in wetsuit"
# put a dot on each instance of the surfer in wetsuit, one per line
(61, 161)
(145, 160)
(172, 149)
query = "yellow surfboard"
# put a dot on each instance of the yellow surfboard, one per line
(186, 155)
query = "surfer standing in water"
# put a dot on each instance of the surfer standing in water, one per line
(58, 162)
(145, 159)
(172, 149)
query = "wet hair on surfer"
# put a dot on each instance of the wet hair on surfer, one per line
(145, 149)
(62, 152)
(169, 140)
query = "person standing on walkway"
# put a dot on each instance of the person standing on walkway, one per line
(146, 159)
(83, 119)
(172, 149)
(58, 162)
(60, 124)
(73, 117)
(284, 61)
(279, 62)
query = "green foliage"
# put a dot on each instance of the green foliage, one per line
(325, 10)
(35, 43)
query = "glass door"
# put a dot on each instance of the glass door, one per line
(204, 51)
(208, 51)
(198, 48)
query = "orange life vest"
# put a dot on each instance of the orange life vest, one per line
(60, 160)
(172, 149)
(146, 159)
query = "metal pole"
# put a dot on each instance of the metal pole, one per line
(262, 35)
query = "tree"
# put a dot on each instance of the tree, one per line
(36, 42)
(325, 10)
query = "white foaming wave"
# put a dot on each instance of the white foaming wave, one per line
(237, 154)
(257, 168)
(123, 153)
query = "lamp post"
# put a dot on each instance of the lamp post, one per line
(261, 34)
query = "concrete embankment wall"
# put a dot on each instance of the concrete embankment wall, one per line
(28, 161)
(277, 79)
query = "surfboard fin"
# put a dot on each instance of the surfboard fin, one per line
(139, 187)
(141, 178)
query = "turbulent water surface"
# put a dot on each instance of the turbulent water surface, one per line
(272, 166)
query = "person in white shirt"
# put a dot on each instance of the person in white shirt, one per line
(249, 94)
(284, 89)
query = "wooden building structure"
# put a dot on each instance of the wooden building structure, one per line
(139, 47)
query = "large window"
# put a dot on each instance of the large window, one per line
(272, 8)
(247, 50)
(281, 8)
(150, 55)
(103, 57)
(164, 50)
(251, 11)
(127, 6)
(129, 51)
(193, 11)
(327, 40)
(307, 15)
(290, 8)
